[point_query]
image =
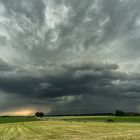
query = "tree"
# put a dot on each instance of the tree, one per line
(39, 114)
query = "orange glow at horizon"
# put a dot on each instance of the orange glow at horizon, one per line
(22, 112)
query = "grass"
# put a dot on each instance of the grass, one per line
(63, 130)
(10, 119)
(125, 119)
(135, 119)
(70, 128)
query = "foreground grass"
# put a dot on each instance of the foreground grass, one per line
(64, 130)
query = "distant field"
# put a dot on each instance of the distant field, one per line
(98, 118)
(134, 119)
(64, 130)
(17, 119)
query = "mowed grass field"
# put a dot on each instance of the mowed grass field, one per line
(72, 128)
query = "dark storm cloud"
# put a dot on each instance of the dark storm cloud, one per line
(68, 54)
(82, 81)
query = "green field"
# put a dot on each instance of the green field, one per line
(123, 119)
(70, 128)
(98, 118)
(9, 119)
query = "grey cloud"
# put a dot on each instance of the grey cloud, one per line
(4, 66)
(31, 9)
(65, 53)
(80, 81)
(3, 40)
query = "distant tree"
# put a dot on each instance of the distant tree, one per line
(39, 114)
(119, 113)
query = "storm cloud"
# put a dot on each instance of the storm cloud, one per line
(62, 56)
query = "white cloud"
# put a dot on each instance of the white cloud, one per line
(55, 14)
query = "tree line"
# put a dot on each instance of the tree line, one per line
(117, 113)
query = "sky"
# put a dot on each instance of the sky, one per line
(69, 56)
